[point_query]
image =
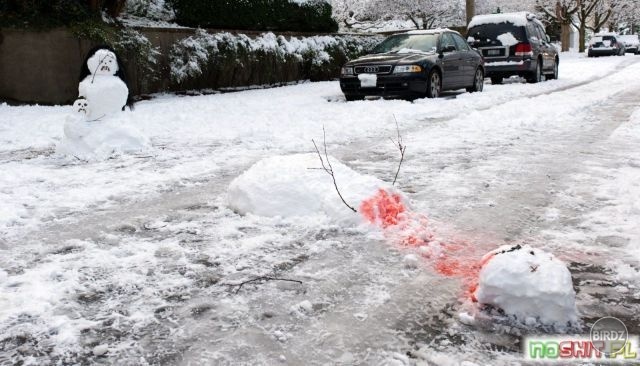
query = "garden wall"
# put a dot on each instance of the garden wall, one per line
(43, 67)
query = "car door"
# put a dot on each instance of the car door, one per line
(469, 60)
(547, 50)
(451, 62)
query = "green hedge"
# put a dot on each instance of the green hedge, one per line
(43, 13)
(273, 15)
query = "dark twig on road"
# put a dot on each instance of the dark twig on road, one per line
(262, 279)
(328, 168)
(399, 144)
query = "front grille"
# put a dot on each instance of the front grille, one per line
(373, 69)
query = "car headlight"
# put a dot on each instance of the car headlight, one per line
(407, 68)
(347, 71)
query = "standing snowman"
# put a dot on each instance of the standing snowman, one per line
(102, 84)
(97, 129)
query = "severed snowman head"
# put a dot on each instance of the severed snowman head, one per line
(103, 62)
(81, 106)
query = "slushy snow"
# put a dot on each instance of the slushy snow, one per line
(528, 284)
(296, 185)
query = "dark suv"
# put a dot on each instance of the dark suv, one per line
(414, 65)
(513, 44)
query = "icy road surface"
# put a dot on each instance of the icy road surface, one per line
(136, 260)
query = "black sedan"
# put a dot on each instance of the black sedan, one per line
(414, 65)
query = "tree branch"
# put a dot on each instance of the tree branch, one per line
(328, 168)
(401, 147)
(262, 278)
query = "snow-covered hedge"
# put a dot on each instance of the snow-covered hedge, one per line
(317, 55)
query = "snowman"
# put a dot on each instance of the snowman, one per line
(103, 88)
(97, 129)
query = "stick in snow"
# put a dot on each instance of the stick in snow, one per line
(328, 168)
(262, 278)
(400, 147)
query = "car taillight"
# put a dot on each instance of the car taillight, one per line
(524, 49)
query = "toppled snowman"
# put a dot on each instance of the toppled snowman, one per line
(529, 284)
(297, 186)
(97, 129)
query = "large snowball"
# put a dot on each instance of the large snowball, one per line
(100, 140)
(296, 185)
(528, 283)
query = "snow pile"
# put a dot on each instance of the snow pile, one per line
(517, 19)
(507, 39)
(528, 283)
(296, 185)
(100, 140)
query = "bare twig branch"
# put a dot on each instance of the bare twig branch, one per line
(328, 168)
(401, 147)
(263, 279)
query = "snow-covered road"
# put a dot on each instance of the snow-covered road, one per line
(137, 256)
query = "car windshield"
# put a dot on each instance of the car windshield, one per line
(402, 43)
(502, 34)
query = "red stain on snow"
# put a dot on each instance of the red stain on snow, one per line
(452, 259)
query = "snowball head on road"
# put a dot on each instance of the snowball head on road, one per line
(296, 185)
(528, 283)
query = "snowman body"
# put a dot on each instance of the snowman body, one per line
(106, 93)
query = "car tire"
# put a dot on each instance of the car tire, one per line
(353, 98)
(478, 82)
(536, 76)
(434, 84)
(554, 76)
(496, 80)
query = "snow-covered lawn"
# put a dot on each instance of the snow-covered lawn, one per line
(139, 254)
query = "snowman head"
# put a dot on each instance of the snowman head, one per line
(103, 62)
(81, 106)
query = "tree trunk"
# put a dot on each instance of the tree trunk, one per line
(582, 36)
(471, 10)
(565, 38)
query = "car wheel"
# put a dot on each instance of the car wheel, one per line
(353, 98)
(536, 77)
(495, 80)
(434, 84)
(554, 76)
(478, 82)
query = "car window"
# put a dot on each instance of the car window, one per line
(446, 40)
(460, 43)
(408, 42)
(543, 34)
(495, 34)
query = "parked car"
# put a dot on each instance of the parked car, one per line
(413, 65)
(513, 44)
(631, 43)
(605, 44)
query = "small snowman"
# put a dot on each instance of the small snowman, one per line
(102, 85)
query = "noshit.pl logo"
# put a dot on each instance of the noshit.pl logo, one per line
(608, 341)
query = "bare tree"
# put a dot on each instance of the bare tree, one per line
(562, 12)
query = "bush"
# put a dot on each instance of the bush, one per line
(211, 56)
(274, 15)
(43, 13)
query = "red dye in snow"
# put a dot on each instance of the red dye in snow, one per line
(383, 208)
(452, 259)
